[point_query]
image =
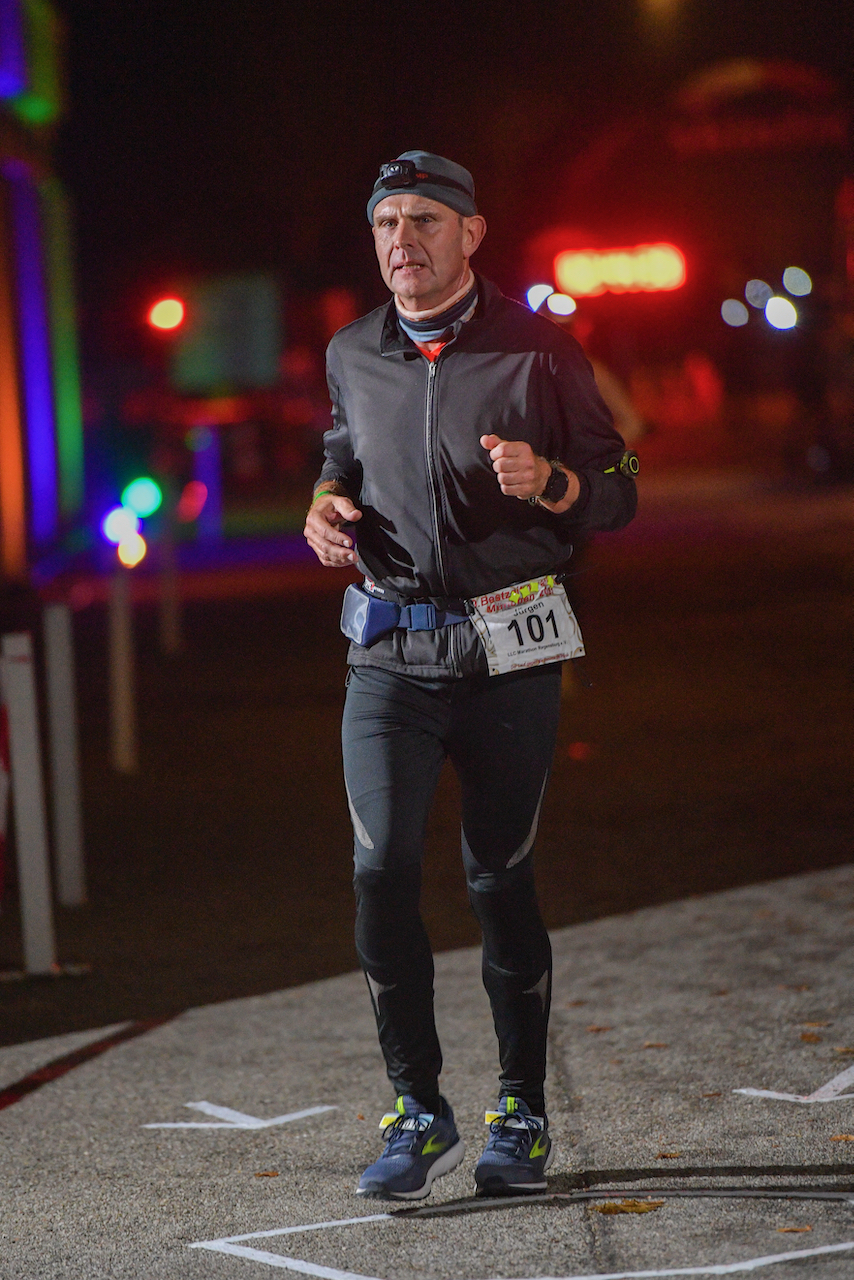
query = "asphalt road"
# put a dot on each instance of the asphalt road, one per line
(662, 1168)
(713, 751)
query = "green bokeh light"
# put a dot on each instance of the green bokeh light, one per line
(143, 496)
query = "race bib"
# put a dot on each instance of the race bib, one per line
(526, 625)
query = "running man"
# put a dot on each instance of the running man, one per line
(469, 449)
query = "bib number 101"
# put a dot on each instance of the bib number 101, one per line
(535, 627)
(526, 625)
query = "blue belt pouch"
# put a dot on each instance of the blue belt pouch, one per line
(364, 618)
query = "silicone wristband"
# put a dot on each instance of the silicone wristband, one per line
(321, 493)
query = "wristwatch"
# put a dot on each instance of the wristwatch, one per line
(556, 486)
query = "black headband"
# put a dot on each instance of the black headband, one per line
(405, 173)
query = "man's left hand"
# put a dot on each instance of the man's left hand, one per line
(524, 474)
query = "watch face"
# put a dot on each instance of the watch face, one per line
(556, 486)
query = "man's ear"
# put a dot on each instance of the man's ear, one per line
(474, 229)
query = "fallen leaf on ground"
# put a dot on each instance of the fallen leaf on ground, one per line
(595, 1028)
(668, 1155)
(723, 992)
(842, 1137)
(816, 1024)
(268, 1173)
(627, 1206)
(615, 1062)
(711, 1095)
(843, 1048)
(792, 986)
(575, 1004)
(655, 1044)
(810, 1037)
(359, 1115)
(792, 1230)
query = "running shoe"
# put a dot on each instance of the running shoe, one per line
(517, 1153)
(419, 1148)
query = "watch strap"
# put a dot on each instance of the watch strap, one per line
(556, 485)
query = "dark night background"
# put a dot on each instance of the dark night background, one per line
(243, 135)
(714, 748)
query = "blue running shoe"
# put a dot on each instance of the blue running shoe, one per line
(517, 1154)
(420, 1147)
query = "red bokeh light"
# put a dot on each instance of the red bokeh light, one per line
(192, 500)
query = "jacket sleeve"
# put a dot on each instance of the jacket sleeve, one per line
(586, 441)
(339, 463)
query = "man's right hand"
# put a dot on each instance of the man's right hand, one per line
(332, 547)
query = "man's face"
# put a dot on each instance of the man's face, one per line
(423, 248)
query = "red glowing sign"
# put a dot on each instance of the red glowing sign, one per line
(646, 268)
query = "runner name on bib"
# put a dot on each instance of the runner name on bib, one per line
(526, 625)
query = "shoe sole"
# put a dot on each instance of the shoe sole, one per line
(494, 1187)
(445, 1164)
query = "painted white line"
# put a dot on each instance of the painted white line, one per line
(722, 1268)
(279, 1260)
(229, 1245)
(830, 1092)
(229, 1119)
(290, 1231)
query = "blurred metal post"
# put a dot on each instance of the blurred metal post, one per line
(207, 468)
(19, 695)
(122, 681)
(64, 764)
(171, 637)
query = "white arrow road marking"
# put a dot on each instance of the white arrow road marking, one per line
(229, 1119)
(230, 1245)
(279, 1260)
(830, 1092)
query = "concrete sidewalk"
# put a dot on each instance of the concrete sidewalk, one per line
(658, 1017)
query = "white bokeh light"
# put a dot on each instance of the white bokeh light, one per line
(757, 293)
(560, 304)
(734, 313)
(797, 282)
(537, 295)
(780, 313)
(119, 524)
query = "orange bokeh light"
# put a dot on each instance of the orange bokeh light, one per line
(132, 550)
(168, 313)
(645, 268)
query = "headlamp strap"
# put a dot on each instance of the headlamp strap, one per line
(404, 173)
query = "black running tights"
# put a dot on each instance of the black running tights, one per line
(499, 733)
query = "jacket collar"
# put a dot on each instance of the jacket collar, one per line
(393, 340)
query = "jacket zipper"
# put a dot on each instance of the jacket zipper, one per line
(432, 470)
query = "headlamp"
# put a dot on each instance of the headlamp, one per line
(399, 173)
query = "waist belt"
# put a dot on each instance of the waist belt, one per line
(366, 617)
(426, 617)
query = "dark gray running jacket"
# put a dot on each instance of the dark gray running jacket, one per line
(405, 444)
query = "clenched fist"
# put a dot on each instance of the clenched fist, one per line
(521, 472)
(524, 474)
